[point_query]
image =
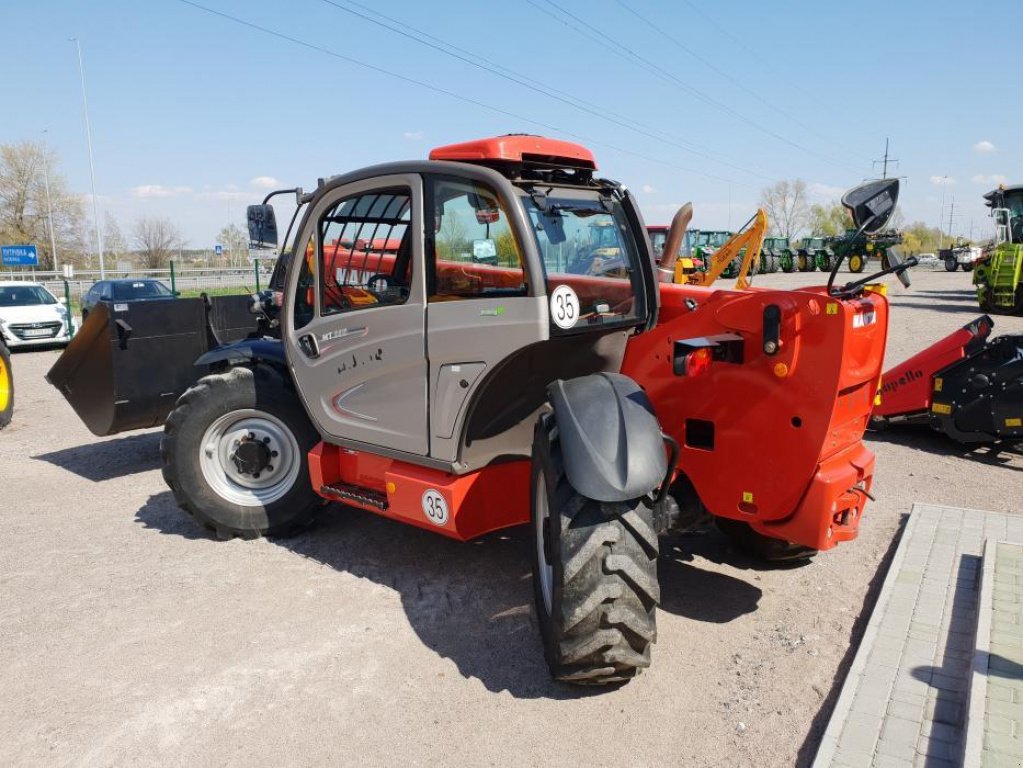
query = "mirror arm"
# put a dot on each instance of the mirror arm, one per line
(848, 247)
(851, 288)
(294, 190)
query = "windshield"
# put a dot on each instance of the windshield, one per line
(25, 296)
(148, 289)
(589, 249)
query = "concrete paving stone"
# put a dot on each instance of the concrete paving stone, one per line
(948, 682)
(887, 761)
(859, 734)
(897, 749)
(937, 731)
(929, 761)
(906, 710)
(898, 732)
(848, 759)
(1005, 708)
(885, 657)
(1002, 724)
(1004, 743)
(942, 750)
(945, 711)
(914, 698)
(1005, 668)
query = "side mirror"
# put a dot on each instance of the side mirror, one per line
(872, 204)
(894, 260)
(262, 226)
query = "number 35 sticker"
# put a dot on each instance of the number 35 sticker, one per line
(564, 306)
(435, 507)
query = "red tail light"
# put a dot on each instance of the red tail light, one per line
(698, 361)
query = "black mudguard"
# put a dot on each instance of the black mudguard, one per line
(610, 439)
(269, 351)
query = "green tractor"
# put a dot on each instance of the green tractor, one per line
(785, 253)
(999, 275)
(865, 247)
(809, 255)
(705, 242)
(771, 254)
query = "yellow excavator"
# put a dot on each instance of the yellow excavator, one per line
(746, 243)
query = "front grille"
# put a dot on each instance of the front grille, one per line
(33, 331)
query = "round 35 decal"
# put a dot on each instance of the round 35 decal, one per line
(564, 307)
(435, 507)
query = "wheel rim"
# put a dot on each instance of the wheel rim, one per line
(249, 458)
(5, 386)
(854, 263)
(545, 571)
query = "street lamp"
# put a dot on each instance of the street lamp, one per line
(92, 166)
(49, 211)
(941, 239)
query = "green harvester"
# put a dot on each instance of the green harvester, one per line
(999, 275)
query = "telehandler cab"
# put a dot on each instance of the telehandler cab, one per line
(459, 355)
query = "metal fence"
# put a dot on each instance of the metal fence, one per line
(186, 281)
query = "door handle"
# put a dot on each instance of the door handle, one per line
(307, 343)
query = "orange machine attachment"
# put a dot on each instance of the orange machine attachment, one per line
(750, 237)
(771, 429)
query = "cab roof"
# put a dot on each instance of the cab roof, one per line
(521, 149)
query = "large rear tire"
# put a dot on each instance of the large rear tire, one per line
(234, 454)
(594, 574)
(6, 386)
(764, 548)
(951, 264)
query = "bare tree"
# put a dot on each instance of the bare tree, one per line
(156, 241)
(24, 214)
(236, 244)
(113, 241)
(786, 206)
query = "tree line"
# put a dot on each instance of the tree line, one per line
(34, 193)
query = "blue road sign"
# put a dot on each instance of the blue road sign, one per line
(219, 250)
(19, 256)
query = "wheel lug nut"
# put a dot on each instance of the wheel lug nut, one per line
(266, 440)
(252, 435)
(256, 475)
(269, 467)
(274, 454)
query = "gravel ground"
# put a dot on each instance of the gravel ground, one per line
(128, 636)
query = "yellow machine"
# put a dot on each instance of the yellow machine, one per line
(746, 243)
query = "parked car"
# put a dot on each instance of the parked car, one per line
(125, 290)
(31, 316)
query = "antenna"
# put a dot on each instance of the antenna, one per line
(885, 160)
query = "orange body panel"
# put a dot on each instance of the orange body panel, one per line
(787, 427)
(479, 502)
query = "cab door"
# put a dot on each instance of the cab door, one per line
(354, 322)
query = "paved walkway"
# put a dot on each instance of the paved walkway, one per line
(904, 702)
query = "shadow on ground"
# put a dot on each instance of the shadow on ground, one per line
(473, 602)
(923, 438)
(110, 459)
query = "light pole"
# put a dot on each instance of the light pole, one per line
(92, 166)
(49, 212)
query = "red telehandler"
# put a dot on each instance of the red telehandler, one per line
(500, 367)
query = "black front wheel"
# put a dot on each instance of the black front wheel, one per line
(6, 386)
(950, 264)
(594, 574)
(234, 454)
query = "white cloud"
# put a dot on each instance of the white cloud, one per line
(984, 147)
(648, 189)
(413, 135)
(150, 191)
(993, 178)
(942, 180)
(260, 182)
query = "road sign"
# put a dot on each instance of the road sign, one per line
(19, 256)
(219, 250)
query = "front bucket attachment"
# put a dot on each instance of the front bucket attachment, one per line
(129, 363)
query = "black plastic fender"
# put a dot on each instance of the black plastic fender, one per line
(247, 351)
(611, 440)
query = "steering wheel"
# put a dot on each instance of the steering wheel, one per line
(381, 282)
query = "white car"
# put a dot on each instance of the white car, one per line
(31, 316)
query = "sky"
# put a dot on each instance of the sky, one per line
(195, 115)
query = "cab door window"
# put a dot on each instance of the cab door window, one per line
(365, 251)
(473, 252)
